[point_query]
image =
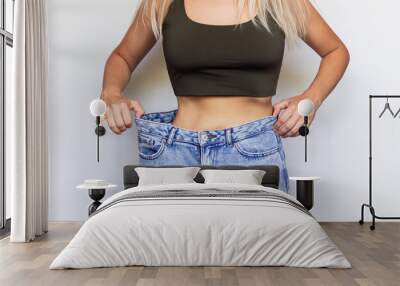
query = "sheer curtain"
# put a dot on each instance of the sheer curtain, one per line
(26, 119)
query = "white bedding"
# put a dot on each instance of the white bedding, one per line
(203, 231)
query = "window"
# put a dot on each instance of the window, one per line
(6, 62)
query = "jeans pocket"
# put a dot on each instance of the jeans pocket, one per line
(261, 145)
(150, 147)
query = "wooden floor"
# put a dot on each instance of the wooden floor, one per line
(374, 255)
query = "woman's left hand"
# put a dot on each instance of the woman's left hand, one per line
(289, 120)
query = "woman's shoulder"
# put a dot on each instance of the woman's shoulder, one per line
(162, 6)
(168, 9)
(168, 6)
(156, 6)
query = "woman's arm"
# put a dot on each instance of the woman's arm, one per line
(137, 42)
(334, 61)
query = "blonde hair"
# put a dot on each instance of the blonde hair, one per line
(290, 15)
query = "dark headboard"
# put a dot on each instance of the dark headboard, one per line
(271, 177)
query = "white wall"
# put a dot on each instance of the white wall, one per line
(83, 33)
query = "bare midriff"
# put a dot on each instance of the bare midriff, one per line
(219, 112)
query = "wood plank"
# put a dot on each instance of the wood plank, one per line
(374, 255)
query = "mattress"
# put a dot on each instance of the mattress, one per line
(201, 225)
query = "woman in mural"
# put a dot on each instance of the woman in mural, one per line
(223, 59)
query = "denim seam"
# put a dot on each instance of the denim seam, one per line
(151, 135)
(171, 136)
(151, 122)
(261, 154)
(155, 155)
(160, 112)
(250, 135)
(261, 121)
(228, 137)
(284, 166)
(146, 140)
(187, 142)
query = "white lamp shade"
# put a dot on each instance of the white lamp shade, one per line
(305, 107)
(98, 107)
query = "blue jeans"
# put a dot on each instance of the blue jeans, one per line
(254, 143)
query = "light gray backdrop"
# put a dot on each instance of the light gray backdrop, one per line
(83, 33)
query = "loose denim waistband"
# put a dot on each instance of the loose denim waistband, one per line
(160, 124)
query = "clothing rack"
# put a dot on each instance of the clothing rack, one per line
(369, 205)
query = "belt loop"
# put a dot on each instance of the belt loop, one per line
(228, 136)
(171, 135)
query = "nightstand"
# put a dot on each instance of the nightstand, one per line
(305, 190)
(97, 190)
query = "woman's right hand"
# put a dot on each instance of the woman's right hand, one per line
(118, 113)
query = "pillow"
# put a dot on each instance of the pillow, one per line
(162, 176)
(249, 177)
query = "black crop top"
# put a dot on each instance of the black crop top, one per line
(205, 59)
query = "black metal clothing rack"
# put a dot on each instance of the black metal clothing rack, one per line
(369, 205)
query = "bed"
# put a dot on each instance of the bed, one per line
(198, 224)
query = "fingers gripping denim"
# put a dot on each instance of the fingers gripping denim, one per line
(254, 143)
